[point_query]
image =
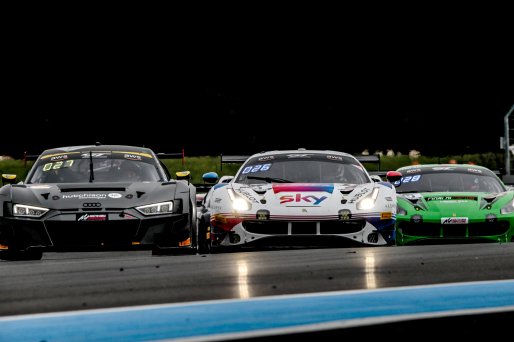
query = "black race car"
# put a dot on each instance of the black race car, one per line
(97, 196)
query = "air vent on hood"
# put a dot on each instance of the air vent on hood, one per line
(91, 189)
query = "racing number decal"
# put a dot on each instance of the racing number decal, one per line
(256, 168)
(407, 179)
(57, 165)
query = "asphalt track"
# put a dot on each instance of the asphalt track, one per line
(167, 297)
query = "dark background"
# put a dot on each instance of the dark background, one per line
(221, 94)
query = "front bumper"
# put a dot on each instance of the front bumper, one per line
(69, 229)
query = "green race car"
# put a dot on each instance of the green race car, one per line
(452, 203)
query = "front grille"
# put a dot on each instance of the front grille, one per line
(69, 233)
(454, 230)
(266, 227)
(341, 227)
(304, 228)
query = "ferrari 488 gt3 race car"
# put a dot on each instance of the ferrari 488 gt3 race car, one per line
(96, 196)
(452, 203)
(302, 198)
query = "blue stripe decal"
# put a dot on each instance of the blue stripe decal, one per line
(201, 319)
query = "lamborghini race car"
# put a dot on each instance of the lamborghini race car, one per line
(452, 203)
(97, 196)
(302, 198)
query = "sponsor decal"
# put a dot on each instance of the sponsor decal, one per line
(91, 205)
(413, 170)
(247, 195)
(217, 200)
(299, 155)
(475, 170)
(58, 154)
(451, 198)
(311, 199)
(331, 157)
(390, 205)
(114, 195)
(386, 216)
(61, 157)
(359, 194)
(389, 199)
(91, 217)
(454, 220)
(302, 187)
(132, 156)
(142, 154)
(95, 155)
(84, 196)
(410, 179)
(266, 158)
(443, 168)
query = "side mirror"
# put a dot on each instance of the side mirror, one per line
(8, 179)
(375, 178)
(393, 176)
(183, 175)
(210, 177)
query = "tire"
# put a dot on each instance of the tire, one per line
(29, 254)
(204, 238)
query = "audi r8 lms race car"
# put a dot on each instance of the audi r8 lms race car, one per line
(452, 203)
(302, 198)
(97, 196)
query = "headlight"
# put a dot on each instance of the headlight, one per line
(508, 208)
(368, 202)
(28, 211)
(238, 202)
(400, 211)
(156, 209)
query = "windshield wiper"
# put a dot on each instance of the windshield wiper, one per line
(91, 175)
(270, 179)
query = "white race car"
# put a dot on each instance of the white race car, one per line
(302, 198)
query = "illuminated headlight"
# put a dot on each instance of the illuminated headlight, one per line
(29, 211)
(156, 209)
(238, 202)
(508, 208)
(368, 202)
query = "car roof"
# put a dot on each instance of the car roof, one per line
(84, 148)
(462, 167)
(302, 150)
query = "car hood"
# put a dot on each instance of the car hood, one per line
(454, 203)
(76, 195)
(288, 198)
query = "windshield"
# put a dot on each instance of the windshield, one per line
(107, 167)
(314, 169)
(448, 181)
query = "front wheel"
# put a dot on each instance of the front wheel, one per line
(204, 238)
(17, 255)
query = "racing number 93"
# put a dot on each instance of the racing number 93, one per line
(57, 165)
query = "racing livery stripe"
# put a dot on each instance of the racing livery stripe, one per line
(302, 187)
(262, 316)
(58, 154)
(136, 153)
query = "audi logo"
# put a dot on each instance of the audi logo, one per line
(92, 205)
